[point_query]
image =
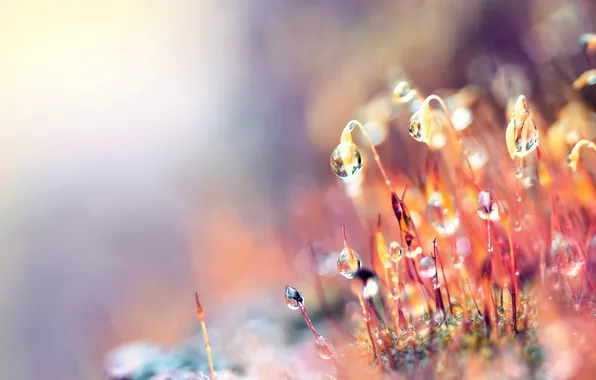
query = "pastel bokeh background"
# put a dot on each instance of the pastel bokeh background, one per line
(150, 148)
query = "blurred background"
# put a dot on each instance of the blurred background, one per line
(152, 148)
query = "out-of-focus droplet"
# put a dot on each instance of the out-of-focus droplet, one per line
(377, 131)
(566, 253)
(458, 260)
(404, 92)
(427, 267)
(394, 251)
(487, 206)
(180, 375)
(420, 125)
(444, 221)
(462, 118)
(587, 42)
(573, 268)
(324, 347)
(294, 299)
(463, 245)
(437, 141)
(365, 283)
(348, 262)
(412, 253)
(346, 160)
(129, 361)
(519, 173)
(477, 155)
(586, 79)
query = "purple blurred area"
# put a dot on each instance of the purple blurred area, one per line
(151, 148)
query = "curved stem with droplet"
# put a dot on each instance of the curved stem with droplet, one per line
(452, 130)
(347, 138)
(573, 157)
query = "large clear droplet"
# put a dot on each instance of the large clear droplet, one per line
(427, 267)
(526, 136)
(444, 221)
(419, 127)
(487, 206)
(324, 347)
(346, 160)
(348, 262)
(394, 251)
(404, 92)
(294, 299)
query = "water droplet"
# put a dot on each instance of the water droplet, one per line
(419, 126)
(413, 253)
(294, 299)
(394, 251)
(394, 294)
(524, 136)
(461, 118)
(457, 260)
(444, 221)
(180, 375)
(517, 226)
(324, 347)
(588, 78)
(476, 153)
(519, 173)
(573, 268)
(404, 92)
(346, 160)
(427, 267)
(490, 248)
(518, 197)
(463, 245)
(487, 207)
(348, 262)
